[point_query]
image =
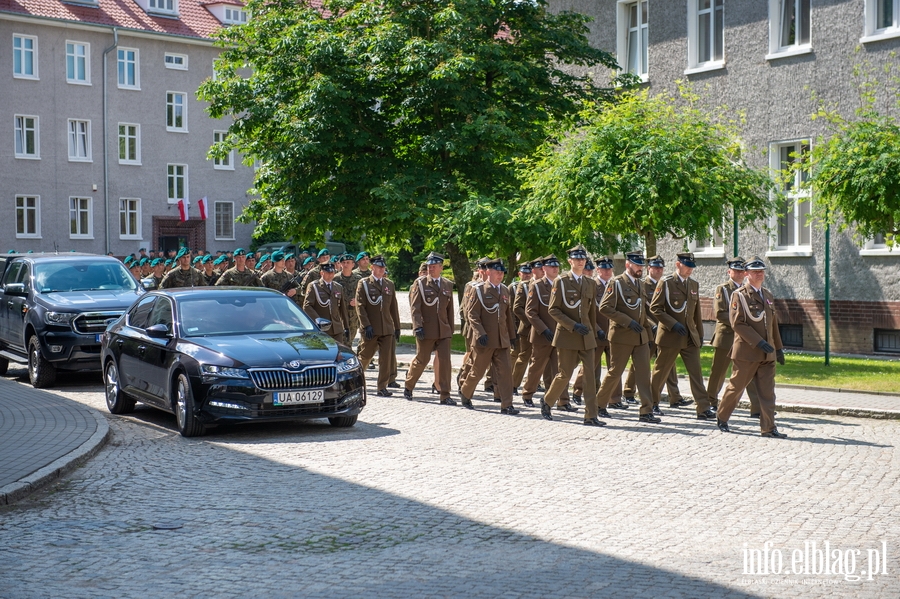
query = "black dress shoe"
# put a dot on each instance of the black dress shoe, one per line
(754, 414)
(631, 400)
(567, 408)
(407, 393)
(603, 413)
(447, 402)
(576, 399)
(383, 393)
(594, 422)
(515, 390)
(394, 385)
(707, 414)
(528, 403)
(510, 410)
(545, 411)
(618, 406)
(488, 388)
(681, 403)
(466, 403)
(723, 426)
(775, 434)
(433, 389)
(657, 411)
(649, 418)
(498, 400)
(541, 388)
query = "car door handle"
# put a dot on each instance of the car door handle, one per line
(142, 349)
(11, 305)
(120, 342)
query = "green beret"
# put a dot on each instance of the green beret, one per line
(168, 262)
(361, 255)
(182, 252)
(127, 261)
(196, 259)
(206, 258)
(289, 256)
(323, 252)
(307, 260)
(239, 252)
(155, 262)
(220, 259)
(277, 256)
(263, 258)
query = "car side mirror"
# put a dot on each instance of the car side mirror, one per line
(158, 331)
(323, 323)
(149, 283)
(14, 289)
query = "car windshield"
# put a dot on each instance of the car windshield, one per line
(87, 275)
(242, 314)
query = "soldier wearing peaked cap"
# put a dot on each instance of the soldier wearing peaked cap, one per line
(480, 276)
(379, 318)
(723, 336)
(521, 352)
(239, 275)
(326, 299)
(349, 280)
(757, 346)
(676, 307)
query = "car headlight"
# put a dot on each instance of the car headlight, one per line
(59, 318)
(224, 372)
(351, 363)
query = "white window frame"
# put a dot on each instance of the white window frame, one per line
(137, 143)
(221, 235)
(623, 35)
(776, 50)
(22, 51)
(78, 209)
(178, 67)
(798, 197)
(695, 65)
(228, 165)
(170, 174)
(125, 209)
(87, 63)
(242, 15)
(873, 32)
(709, 251)
(164, 10)
(23, 130)
(72, 136)
(170, 106)
(873, 247)
(137, 68)
(36, 216)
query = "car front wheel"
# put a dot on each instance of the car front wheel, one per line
(116, 400)
(41, 373)
(188, 425)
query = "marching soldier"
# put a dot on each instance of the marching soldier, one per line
(278, 278)
(521, 353)
(625, 304)
(676, 307)
(544, 357)
(349, 279)
(326, 299)
(431, 307)
(757, 345)
(489, 313)
(240, 274)
(723, 337)
(479, 276)
(572, 306)
(379, 319)
(184, 275)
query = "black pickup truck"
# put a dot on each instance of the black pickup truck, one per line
(54, 307)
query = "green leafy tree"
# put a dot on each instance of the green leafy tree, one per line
(388, 117)
(648, 166)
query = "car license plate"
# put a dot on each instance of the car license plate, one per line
(97, 337)
(287, 398)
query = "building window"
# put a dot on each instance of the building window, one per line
(235, 16)
(176, 61)
(710, 245)
(706, 33)
(129, 143)
(129, 218)
(632, 44)
(792, 225)
(80, 218)
(791, 335)
(177, 182)
(882, 20)
(176, 111)
(28, 216)
(887, 340)
(224, 220)
(878, 246)
(226, 163)
(789, 26)
(25, 56)
(27, 137)
(164, 5)
(128, 65)
(79, 140)
(78, 63)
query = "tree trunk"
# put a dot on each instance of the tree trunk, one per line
(650, 243)
(459, 264)
(512, 269)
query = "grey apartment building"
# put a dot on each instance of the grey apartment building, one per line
(61, 187)
(768, 59)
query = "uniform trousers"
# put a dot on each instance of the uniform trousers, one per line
(497, 359)
(671, 382)
(522, 357)
(578, 386)
(384, 344)
(619, 354)
(424, 349)
(544, 362)
(665, 363)
(568, 360)
(354, 326)
(721, 362)
(742, 373)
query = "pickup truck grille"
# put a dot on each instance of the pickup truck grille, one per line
(91, 323)
(315, 377)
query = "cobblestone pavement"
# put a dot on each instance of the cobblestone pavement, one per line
(422, 500)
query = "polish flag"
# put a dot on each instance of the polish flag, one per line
(201, 205)
(183, 207)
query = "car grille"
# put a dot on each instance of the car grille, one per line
(90, 323)
(280, 378)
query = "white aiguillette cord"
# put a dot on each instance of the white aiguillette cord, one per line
(430, 304)
(376, 302)
(562, 291)
(633, 306)
(668, 301)
(762, 315)
(319, 297)
(493, 309)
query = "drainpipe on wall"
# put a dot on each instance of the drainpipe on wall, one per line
(827, 294)
(106, 139)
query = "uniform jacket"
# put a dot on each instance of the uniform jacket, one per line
(177, 277)
(376, 306)
(623, 302)
(331, 305)
(723, 336)
(431, 307)
(489, 312)
(602, 320)
(278, 281)
(467, 296)
(247, 278)
(537, 310)
(573, 302)
(670, 296)
(753, 319)
(521, 298)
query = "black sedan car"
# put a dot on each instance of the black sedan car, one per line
(220, 355)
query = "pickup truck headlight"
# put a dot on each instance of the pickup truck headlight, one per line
(59, 318)
(224, 372)
(351, 363)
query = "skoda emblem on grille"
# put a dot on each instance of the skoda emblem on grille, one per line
(294, 364)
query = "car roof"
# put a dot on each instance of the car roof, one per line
(212, 292)
(53, 256)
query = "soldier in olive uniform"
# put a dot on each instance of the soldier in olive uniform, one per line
(349, 279)
(184, 275)
(278, 278)
(239, 275)
(362, 265)
(757, 346)
(326, 299)
(676, 307)
(379, 318)
(322, 258)
(159, 266)
(521, 353)
(489, 313)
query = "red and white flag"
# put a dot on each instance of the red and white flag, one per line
(183, 207)
(201, 205)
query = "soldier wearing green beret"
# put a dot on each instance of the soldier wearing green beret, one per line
(239, 275)
(184, 275)
(278, 278)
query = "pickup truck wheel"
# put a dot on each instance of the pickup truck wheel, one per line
(4, 366)
(41, 372)
(116, 400)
